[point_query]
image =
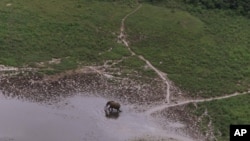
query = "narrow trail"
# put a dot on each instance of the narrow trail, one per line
(162, 107)
(162, 75)
(122, 39)
(122, 36)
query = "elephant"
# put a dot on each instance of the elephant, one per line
(113, 105)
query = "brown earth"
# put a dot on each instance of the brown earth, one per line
(37, 87)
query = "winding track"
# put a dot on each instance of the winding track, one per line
(162, 107)
(122, 38)
(162, 75)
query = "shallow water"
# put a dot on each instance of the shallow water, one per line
(77, 118)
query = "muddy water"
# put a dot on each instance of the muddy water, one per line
(74, 119)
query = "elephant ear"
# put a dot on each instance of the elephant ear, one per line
(108, 103)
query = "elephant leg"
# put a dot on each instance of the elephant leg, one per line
(118, 110)
(110, 109)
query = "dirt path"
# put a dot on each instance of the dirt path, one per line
(161, 107)
(122, 39)
(162, 75)
(122, 36)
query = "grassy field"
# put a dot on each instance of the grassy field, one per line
(206, 54)
(73, 30)
(223, 113)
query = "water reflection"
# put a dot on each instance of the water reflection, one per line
(111, 114)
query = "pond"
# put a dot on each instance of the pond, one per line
(78, 118)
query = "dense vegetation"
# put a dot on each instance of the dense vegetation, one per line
(240, 6)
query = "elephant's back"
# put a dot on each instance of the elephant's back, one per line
(118, 105)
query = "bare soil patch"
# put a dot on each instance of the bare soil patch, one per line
(37, 87)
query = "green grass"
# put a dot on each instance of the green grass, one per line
(34, 30)
(206, 54)
(234, 110)
(135, 65)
